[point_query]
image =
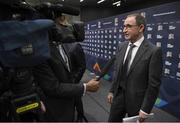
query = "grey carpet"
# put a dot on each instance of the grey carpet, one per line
(97, 109)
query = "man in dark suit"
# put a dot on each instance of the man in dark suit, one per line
(78, 59)
(57, 83)
(56, 80)
(137, 74)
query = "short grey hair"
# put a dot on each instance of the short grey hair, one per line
(139, 19)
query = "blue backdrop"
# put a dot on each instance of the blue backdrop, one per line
(163, 27)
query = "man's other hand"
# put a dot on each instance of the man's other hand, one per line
(142, 116)
(110, 97)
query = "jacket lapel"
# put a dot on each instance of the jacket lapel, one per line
(61, 59)
(69, 59)
(120, 57)
(142, 49)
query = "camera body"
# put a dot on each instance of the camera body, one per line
(24, 43)
(69, 33)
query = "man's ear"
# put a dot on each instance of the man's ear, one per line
(141, 28)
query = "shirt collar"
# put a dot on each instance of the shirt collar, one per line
(138, 42)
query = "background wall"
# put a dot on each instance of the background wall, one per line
(163, 26)
(89, 13)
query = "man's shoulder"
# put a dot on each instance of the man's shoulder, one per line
(122, 44)
(152, 46)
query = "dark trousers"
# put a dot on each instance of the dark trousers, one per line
(80, 110)
(118, 110)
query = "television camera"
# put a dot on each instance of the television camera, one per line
(66, 33)
(24, 39)
(23, 44)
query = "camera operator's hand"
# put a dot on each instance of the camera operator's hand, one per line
(43, 108)
(92, 85)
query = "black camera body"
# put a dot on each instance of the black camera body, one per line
(66, 33)
(24, 44)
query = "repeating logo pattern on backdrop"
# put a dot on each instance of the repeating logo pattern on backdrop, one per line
(163, 26)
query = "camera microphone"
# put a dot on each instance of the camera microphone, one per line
(17, 5)
(57, 8)
(67, 9)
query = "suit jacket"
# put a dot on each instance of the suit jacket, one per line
(57, 84)
(143, 80)
(78, 60)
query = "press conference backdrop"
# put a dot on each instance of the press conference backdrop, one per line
(163, 29)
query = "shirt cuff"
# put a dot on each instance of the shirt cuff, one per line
(84, 89)
(143, 112)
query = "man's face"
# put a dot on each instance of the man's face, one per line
(131, 30)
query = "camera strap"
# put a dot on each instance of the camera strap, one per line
(26, 104)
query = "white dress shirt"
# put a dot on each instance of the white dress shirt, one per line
(134, 50)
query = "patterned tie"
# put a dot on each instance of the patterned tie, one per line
(126, 67)
(127, 61)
